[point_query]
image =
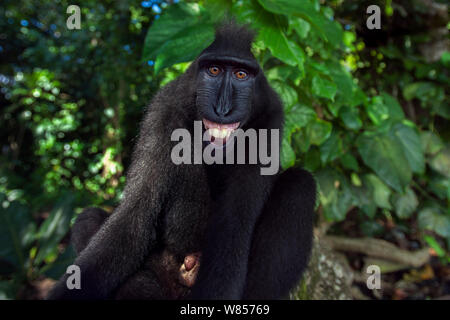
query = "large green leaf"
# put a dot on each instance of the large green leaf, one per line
(300, 26)
(412, 147)
(174, 20)
(185, 46)
(287, 51)
(323, 87)
(181, 33)
(306, 9)
(384, 155)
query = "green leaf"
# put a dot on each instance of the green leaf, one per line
(412, 147)
(431, 143)
(349, 162)
(356, 181)
(364, 198)
(54, 228)
(405, 204)
(181, 33)
(380, 191)
(185, 46)
(344, 82)
(311, 160)
(287, 154)
(300, 26)
(174, 20)
(300, 141)
(440, 186)
(445, 59)
(288, 94)
(331, 148)
(377, 111)
(441, 162)
(435, 245)
(431, 219)
(275, 39)
(280, 73)
(318, 131)
(350, 117)
(327, 29)
(323, 87)
(394, 108)
(298, 117)
(383, 154)
(334, 194)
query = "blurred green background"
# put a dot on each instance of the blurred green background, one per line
(367, 111)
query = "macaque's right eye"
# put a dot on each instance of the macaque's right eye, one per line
(214, 70)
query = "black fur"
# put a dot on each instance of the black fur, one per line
(254, 231)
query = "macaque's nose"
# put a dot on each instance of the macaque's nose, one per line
(224, 102)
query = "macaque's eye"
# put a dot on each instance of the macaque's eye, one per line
(214, 70)
(240, 74)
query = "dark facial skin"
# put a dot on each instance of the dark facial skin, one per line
(225, 87)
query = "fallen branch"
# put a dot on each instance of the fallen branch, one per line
(378, 248)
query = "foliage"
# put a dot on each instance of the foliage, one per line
(368, 117)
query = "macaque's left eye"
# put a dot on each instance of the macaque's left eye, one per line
(240, 74)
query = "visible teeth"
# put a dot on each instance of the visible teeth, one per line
(215, 132)
(220, 133)
(224, 133)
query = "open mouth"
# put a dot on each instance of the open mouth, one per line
(219, 133)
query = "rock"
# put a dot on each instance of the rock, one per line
(328, 276)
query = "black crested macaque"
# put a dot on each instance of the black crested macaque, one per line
(198, 231)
